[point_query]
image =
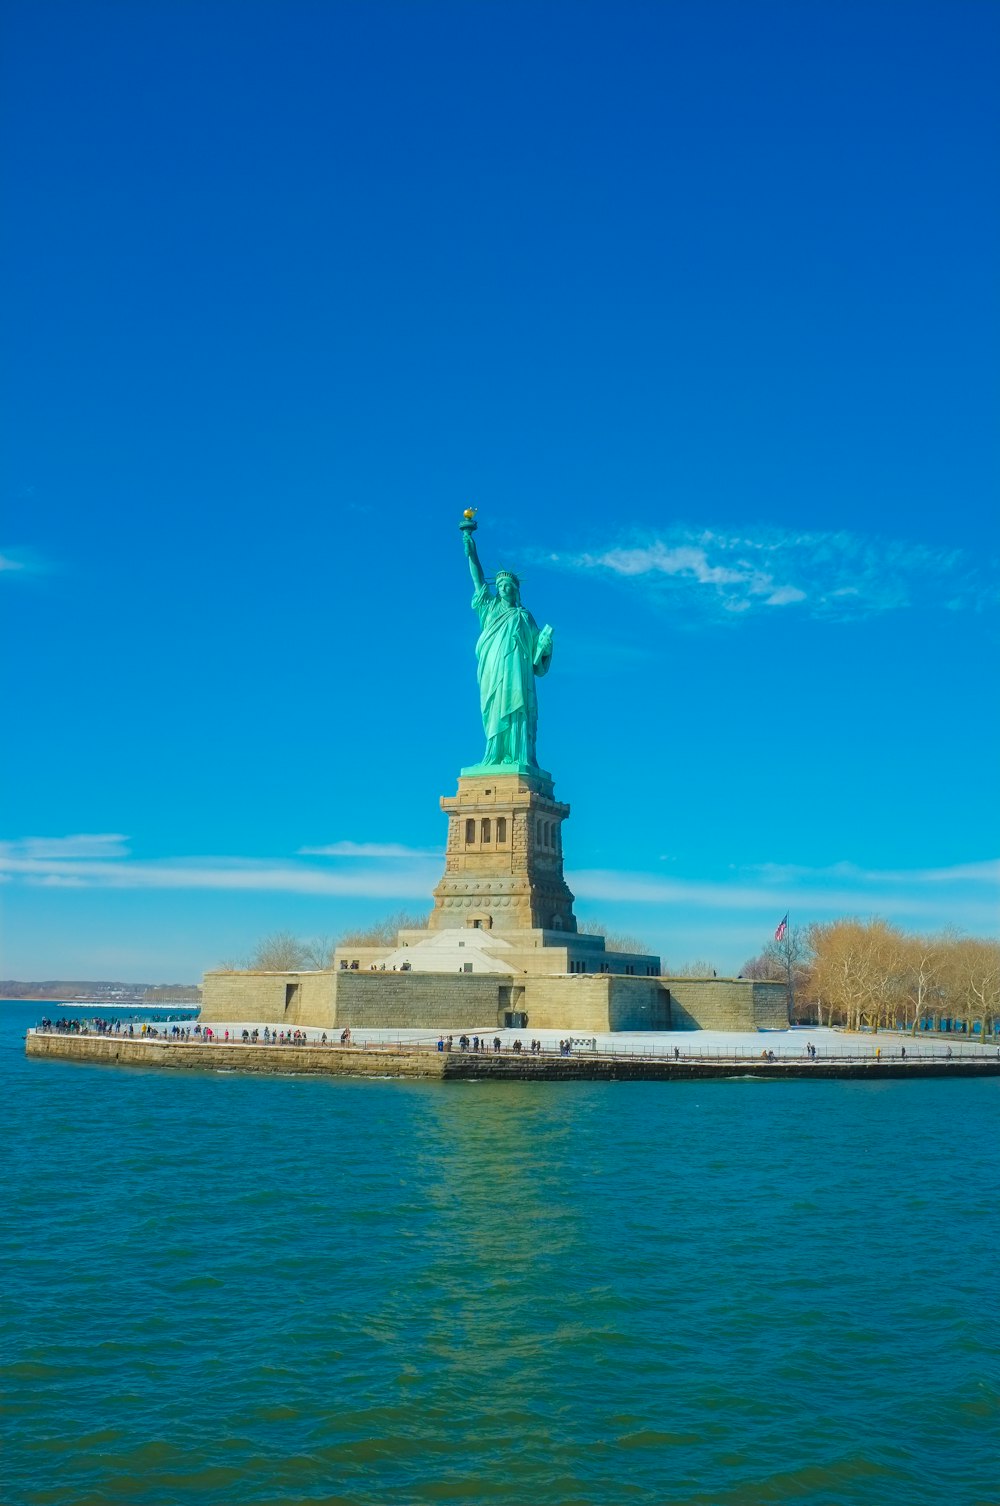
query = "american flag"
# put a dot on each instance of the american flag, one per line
(779, 934)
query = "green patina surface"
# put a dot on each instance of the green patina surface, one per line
(511, 652)
(485, 770)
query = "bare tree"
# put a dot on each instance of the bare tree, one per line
(925, 960)
(696, 969)
(383, 932)
(971, 969)
(839, 952)
(788, 961)
(860, 970)
(763, 968)
(623, 942)
(319, 952)
(614, 941)
(885, 981)
(281, 952)
(984, 983)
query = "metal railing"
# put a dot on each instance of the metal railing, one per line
(786, 1055)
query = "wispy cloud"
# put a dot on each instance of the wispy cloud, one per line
(366, 850)
(961, 873)
(16, 561)
(963, 895)
(80, 845)
(839, 576)
(232, 875)
(104, 862)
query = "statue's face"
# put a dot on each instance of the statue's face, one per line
(507, 591)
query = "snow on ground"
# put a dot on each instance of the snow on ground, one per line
(690, 1043)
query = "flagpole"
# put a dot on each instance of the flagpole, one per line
(784, 940)
(788, 970)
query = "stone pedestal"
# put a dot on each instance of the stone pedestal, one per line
(504, 862)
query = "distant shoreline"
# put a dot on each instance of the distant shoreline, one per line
(100, 1001)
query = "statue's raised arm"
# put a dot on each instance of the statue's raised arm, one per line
(472, 553)
(512, 650)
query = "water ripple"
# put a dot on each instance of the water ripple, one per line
(228, 1290)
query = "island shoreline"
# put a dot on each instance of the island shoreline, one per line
(260, 1059)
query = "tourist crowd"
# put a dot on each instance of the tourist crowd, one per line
(267, 1036)
(516, 1047)
(476, 1044)
(125, 1027)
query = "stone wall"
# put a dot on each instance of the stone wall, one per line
(233, 1056)
(270, 998)
(639, 1004)
(726, 1004)
(363, 999)
(585, 1002)
(415, 1001)
(577, 1002)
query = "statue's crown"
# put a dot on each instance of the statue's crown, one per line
(508, 575)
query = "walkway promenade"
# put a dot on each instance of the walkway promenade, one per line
(603, 1061)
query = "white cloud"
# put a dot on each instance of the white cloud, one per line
(901, 895)
(963, 895)
(987, 872)
(22, 562)
(814, 902)
(838, 576)
(391, 879)
(81, 845)
(103, 861)
(649, 888)
(277, 879)
(784, 596)
(366, 850)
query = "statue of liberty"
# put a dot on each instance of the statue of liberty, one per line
(511, 651)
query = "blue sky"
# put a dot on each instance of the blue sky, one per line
(696, 302)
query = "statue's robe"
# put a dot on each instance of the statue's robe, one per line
(509, 660)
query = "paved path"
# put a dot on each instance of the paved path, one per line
(422, 1059)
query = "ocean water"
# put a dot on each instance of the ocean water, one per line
(221, 1289)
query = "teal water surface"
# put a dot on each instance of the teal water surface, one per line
(238, 1290)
